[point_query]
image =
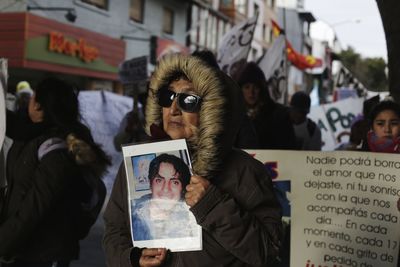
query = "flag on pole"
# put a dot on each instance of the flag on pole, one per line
(273, 66)
(276, 29)
(300, 61)
(235, 46)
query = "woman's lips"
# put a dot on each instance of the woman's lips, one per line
(175, 124)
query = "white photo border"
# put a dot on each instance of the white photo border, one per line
(129, 151)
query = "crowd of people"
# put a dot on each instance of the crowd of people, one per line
(54, 190)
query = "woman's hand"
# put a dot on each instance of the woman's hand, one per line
(196, 190)
(398, 204)
(152, 257)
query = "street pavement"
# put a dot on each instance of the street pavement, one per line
(92, 254)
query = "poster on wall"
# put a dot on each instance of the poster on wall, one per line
(133, 70)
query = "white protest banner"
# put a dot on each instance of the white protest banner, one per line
(335, 120)
(102, 112)
(343, 206)
(235, 46)
(273, 66)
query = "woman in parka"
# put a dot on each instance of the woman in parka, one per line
(230, 193)
(54, 190)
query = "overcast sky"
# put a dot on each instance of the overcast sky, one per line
(366, 37)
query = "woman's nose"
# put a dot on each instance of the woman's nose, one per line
(174, 109)
(388, 128)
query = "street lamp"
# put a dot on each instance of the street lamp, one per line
(325, 31)
(70, 16)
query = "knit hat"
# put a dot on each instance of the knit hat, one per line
(23, 87)
(301, 102)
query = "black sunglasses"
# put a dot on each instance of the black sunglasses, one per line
(186, 102)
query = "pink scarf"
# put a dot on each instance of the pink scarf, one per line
(383, 145)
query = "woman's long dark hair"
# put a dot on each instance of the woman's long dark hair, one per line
(59, 103)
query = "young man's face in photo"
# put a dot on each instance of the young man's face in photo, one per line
(166, 184)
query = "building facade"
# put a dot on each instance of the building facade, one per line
(120, 29)
(123, 30)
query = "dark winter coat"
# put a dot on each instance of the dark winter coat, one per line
(239, 213)
(41, 217)
(271, 120)
(274, 128)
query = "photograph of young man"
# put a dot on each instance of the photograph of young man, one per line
(163, 213)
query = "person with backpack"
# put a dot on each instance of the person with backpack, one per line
(308, 134)
(54, 189)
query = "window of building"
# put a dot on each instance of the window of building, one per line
(264, 32)
(168, 21)
(267, 33)
(103, 4)
(207, 29)
(214, 33)
(271, 33)
(241, 6)
(136, 11)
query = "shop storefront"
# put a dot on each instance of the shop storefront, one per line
(37, 47)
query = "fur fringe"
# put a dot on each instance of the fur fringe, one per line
(205, 145)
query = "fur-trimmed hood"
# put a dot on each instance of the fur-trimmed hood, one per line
(86, 156)
(220, 114)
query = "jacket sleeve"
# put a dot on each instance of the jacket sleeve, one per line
(316, 140)
(50, 183)
(117, 240)
(284, 134)
(248, 225)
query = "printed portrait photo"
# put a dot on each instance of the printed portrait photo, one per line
(163, 213)
(157, 176)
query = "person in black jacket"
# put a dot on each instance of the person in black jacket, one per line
(271, 120)
(54, 191)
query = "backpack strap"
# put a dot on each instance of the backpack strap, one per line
(50, 145)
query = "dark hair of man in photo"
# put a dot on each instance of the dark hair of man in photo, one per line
(181, 168)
